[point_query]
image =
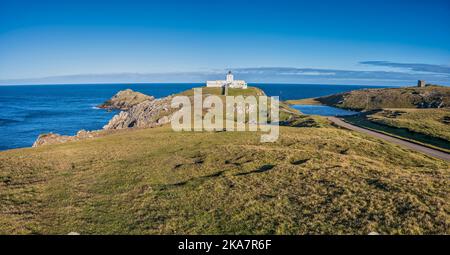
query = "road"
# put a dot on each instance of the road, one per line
(413, 146)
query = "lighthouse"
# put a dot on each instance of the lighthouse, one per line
(229, 82)
(230, 77)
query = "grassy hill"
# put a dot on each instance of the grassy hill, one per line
(156, 181)
(287, 114)
(250, 91)
(367, 99)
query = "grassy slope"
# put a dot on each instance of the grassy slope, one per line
(154, 181)
(425, 126)
(285, 110)
(431, 122)
(250, 91)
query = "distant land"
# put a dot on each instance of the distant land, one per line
(368, 99)
(395, 77)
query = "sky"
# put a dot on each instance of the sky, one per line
(369, 42)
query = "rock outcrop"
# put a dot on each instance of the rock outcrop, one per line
(51, 138)
(138, 111)
(150, 113)
(125, 99)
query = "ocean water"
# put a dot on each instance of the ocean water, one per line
(27, 111)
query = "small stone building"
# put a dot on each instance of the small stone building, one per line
(421, 83)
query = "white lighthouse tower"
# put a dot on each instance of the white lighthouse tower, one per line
(230, 78)
(229, 82)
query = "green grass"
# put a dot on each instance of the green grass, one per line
(286, 113)
(250, 91)
(431, 122)
(156, 181)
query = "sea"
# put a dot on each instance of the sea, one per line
(29, 110)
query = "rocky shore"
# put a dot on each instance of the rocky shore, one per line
(137, 111)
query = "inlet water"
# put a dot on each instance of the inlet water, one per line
(323, 110)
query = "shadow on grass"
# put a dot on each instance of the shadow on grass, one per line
(262, 169)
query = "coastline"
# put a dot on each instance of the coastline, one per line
(62, 111)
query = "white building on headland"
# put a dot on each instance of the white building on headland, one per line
(229, 82)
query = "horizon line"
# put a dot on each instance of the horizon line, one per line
(181, 83)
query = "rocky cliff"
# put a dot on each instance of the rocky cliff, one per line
(138, 111)
(150, 113)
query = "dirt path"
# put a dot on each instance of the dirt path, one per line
(420, 148)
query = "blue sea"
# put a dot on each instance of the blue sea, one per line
(30, 110)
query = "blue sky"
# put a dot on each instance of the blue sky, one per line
(337, 42)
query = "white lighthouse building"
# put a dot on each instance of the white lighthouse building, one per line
(229, 82)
